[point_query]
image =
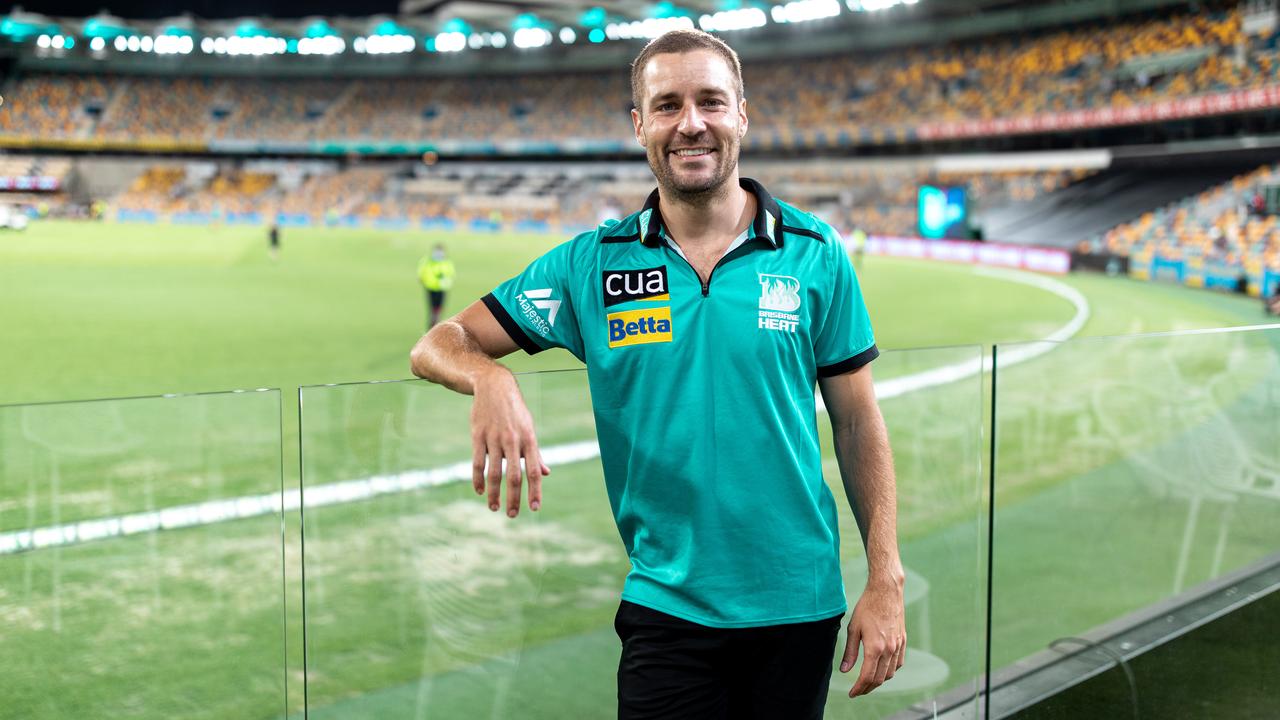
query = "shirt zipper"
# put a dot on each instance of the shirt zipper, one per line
(706, 285)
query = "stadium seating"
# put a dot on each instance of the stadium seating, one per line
(1221, 223)
(154, 190)
(816, 102)
(877, 199)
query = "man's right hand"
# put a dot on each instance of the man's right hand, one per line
(502, 434)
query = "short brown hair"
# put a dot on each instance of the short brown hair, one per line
(682, 41)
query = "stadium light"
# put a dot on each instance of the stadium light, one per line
(804, 11)
(730, 20)
(874, 5)
(389, 44)
(97, 44)
(174, 45)
(206, 46)
(121, 43)
(651, 28)
(146, 44)
(43, 42)
(596, 35)
(567, 35)
(525, 38)
(499, 40)
(134, 43)
(450, 42)
(475, 41)
(324, 45)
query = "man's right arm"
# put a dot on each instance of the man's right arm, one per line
(461, 354)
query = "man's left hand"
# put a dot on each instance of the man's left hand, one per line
(879, 626)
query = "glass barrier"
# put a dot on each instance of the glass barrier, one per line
(140, 558)
(1137, 496)
(420, 602)
(932, 401)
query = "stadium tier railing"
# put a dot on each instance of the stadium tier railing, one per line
(420, 602)
(141, 562)
(1137, 501)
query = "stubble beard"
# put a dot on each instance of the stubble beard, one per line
(701, 192)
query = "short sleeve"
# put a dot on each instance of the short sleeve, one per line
(845, 341)
(536, 307)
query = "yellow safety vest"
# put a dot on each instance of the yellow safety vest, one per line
(436, 274)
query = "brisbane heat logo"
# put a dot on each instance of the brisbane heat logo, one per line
(779, 299)
(647, 323)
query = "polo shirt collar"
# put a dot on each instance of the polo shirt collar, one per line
(767, 224)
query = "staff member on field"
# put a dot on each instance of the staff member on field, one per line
(705, 320)
(435, 272)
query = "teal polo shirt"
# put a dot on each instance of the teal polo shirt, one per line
(704, 403)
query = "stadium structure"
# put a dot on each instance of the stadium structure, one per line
(1063, 215)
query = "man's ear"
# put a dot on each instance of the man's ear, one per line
(638, 124)
(742, 118)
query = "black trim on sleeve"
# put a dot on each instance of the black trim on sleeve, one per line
(620, 238)
(509, 324)
(850, 364)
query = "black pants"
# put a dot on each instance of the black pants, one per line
(675, 669)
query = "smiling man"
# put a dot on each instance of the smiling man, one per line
(705, 320)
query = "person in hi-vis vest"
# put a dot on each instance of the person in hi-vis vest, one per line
(436, 272)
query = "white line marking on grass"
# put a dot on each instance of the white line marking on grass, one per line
(214, 511)
(1020, 353)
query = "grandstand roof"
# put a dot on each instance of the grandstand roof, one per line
(377, 37)
(565, 11)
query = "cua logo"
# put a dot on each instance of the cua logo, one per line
(622, 286)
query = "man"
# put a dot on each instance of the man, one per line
(436, 272)
(273, 242)
(704, 320)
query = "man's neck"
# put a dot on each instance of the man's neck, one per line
(714, 220)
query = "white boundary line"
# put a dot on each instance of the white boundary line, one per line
(214, 511)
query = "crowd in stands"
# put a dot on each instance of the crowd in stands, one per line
(879, 199)
(55, 106)
(796, 102)
(1228, 223)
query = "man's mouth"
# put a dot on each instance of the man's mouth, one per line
(691, 152)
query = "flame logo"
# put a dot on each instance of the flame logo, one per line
(779, 292)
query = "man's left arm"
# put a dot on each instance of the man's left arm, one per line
(866, 469)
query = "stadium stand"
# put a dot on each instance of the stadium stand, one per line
(58, 106)
(1225, 223)
(878, 199)
(816, 102)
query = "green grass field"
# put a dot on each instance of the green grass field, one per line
(422, 604)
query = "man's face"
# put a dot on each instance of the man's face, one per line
(691, 120)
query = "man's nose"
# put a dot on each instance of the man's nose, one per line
(691, 121)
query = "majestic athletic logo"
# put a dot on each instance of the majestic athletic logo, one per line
(622, 286)
(779, 298)
(531, 301)
(779, 292)
(638, 327)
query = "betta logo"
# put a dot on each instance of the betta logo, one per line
(621, 286)
(638, 327)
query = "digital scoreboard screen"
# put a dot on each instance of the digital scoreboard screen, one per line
(943, 212)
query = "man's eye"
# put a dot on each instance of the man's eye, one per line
(713, 102)
(666, 106)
